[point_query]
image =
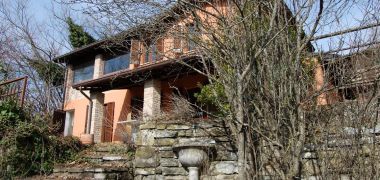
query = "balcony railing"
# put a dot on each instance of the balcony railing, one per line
(14, 89)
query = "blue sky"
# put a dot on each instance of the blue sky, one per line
(41, 9)
(353, 18)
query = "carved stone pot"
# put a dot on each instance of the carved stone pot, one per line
(193, 154)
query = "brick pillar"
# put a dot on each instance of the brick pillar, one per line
(319, 82)
(69, 81)
(97, 115)
(152, 98)
(98, 66)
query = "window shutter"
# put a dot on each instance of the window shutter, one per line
(177, 43)
(160, 48)
(135, 52)
(146, 53)
(185, 42)
(177, 37)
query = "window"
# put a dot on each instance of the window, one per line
(155, 51)
(183, 39)
(192, 33)
(117, 63)
(83, 72)
(177, 41)
(69, 122)
(151, 53)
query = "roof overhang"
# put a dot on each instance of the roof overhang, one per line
(80, 52)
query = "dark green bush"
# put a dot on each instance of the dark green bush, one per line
(27, 147)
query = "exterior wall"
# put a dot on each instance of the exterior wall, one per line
(187, 81)
(170, 86)
(79, 107)
(75, 101)
(122, 99)
(327, 93)
(319, 81)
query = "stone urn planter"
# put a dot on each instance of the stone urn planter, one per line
(193, 154)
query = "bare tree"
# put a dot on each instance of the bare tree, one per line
(285, 104)
(29, 51)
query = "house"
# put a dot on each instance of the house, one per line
(108, 84)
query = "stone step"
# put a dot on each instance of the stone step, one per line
(101, 154)
(90, 169)
(114, 148)
(101, 161)
(90, 173)
(84, 165)
(101, 158)
(87, 176)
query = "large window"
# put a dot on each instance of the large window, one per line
(117, 63)
(154, 52)
(83, 72)
(191, 36)
(151, 53)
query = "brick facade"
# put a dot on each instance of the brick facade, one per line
(97, 99)
(97, 115)
(98, 66)
(68, 81)
(152, 98)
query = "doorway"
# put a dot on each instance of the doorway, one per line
(108, 120)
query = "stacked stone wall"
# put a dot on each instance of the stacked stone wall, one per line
(155, 158)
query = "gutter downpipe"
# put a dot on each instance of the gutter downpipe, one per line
(89, 118)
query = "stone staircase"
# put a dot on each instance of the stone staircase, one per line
(102, 161)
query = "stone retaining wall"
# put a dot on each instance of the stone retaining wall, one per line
(155, 158)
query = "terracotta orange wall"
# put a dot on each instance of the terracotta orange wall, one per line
(122, 100)
(319, 82)
(188, 81)
(184, 82)
(80, 114)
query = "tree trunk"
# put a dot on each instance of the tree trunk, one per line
(241, 140)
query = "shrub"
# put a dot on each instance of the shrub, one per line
(27, 147)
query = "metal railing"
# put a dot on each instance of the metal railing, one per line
(14, 89)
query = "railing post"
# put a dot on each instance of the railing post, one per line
(23, 91)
